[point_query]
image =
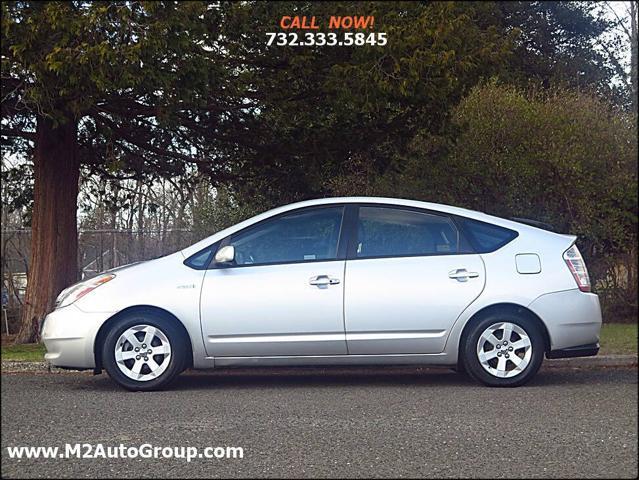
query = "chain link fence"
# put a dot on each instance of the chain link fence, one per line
(98, 250)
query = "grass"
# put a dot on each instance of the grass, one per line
(616, 338)
(30, 352)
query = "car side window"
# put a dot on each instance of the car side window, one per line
(391, 232)
(485, 237)
(306, 235)
(202, 259)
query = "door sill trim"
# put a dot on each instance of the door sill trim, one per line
(357, 359)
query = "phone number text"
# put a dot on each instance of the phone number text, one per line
(319, 39)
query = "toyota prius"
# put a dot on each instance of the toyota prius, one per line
(339, 281)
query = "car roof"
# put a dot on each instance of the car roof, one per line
(437, 207)
(386, 201)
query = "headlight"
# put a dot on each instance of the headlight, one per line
(79, 290)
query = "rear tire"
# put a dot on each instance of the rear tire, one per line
(145, 351)
(503, 349)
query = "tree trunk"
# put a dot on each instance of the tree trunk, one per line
(633, 54)
(54, 241)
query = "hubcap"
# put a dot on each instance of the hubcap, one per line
(143, 352)
(504, 350)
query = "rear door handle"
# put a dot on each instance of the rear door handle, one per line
(323, 280)
(462, 275)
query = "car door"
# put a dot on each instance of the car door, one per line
(283, 294)
(409, 275)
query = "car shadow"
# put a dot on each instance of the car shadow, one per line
(336, 377)
(322, 377)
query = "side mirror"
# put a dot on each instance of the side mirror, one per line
(225, 254)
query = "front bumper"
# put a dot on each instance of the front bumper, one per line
(572, 318)
(69, 335)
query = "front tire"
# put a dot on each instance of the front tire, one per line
(503, 350)
(144, 351)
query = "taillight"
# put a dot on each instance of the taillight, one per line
(577, 267)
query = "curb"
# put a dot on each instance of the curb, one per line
(600, 361)
(590, 362)
(12, 366)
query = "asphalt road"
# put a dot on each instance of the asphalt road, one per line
(395, 422)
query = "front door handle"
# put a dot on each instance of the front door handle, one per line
(462, 275)
(323, 280)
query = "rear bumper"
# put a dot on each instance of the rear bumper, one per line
(572, 318)
(580, 351)
(69, 336)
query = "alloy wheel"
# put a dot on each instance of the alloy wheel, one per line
(142, 352)
(504, 350)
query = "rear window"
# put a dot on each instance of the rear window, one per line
(485, 237)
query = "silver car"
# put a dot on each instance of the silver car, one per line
(339, 281)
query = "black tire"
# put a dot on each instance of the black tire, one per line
(472, 364)
(177, 361)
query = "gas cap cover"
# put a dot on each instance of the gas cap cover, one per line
(528, 263)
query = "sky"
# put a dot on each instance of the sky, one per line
(621, 9)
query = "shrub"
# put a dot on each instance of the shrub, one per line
(562, 156)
